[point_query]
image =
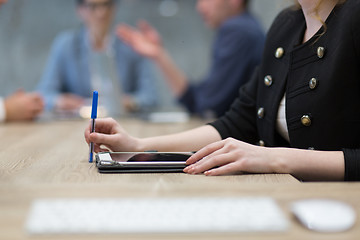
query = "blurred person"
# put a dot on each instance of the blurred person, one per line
(299, 113)
(236, 51)
(20, 106)
(93, 58)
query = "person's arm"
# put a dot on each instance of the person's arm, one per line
(222, 157)
(310, 165)
(147, 42)
(175, 78)
(231, 156)
(235, 156)
(187, 141)
(111, 135)
(52, 81)
(236, 53)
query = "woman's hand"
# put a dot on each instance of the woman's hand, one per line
(231, 156)
(108, 133)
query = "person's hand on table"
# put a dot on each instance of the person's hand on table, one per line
(69, 102)
(111, 135)
(22, 106)
(230, 156)
(129, 103)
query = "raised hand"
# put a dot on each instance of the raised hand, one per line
(145, 40)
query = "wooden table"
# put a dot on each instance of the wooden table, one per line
(49, 160)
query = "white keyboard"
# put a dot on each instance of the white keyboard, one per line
(155, 215)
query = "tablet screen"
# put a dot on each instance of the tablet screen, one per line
(146, 157)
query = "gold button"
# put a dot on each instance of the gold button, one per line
(268, 80)
(279, 52)
(261, 143)
(305, 120)
(320, 52)
(261, 113)
(313, 83)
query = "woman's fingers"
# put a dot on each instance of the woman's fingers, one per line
(216, 159)
(219, 158)
(228, 169)
(102, 139)
(101, 148)
(205, 151)
(97, 148)
(125, 32)
(104, 126)
(87, 133)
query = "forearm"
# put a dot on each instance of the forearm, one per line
(309, 165)
(191, 140)
(174, 76)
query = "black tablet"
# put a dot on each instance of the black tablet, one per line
(141, 162)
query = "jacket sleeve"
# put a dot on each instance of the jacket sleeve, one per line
(51, 82)
(352, 164)
(352, 156)
(240, 121)
(237, 51)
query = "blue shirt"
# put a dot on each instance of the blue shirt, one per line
(68, 71)
(236, 52)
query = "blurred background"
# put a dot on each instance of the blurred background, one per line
(28, 27)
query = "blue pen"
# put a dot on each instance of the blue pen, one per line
(93, 117)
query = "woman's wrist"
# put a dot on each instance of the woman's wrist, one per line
(279, 161)
(144, 145)
(308, 164)
(138, 145)
(162, 56)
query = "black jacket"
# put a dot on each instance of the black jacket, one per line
(321, 80)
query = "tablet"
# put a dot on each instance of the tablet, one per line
(141, 162)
